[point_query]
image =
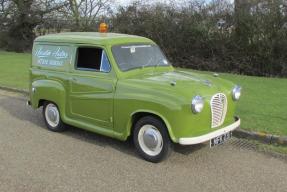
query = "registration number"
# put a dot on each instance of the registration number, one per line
(220, 139)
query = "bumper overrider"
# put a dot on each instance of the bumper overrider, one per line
(209, 136)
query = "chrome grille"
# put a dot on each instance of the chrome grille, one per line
(218, 105)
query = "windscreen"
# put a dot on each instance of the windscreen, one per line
(138, 56)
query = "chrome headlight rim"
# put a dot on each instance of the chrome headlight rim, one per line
(197, 104)
(236, 93)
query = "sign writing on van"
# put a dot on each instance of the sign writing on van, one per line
(51, 55)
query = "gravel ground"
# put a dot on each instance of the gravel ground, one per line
(35, 159)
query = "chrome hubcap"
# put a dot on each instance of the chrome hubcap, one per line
(150, 140)
(52, 115)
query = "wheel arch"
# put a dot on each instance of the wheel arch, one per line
(135, 116)
(48, 90)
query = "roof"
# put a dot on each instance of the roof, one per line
(92, 38)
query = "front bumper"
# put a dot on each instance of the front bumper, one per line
(207, 137)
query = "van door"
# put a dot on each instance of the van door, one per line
(92, 87)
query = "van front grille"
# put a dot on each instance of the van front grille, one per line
(218, 105)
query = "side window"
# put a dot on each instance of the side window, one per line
(92, 59)
(105, 64)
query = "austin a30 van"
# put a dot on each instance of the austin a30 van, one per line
(123, 86)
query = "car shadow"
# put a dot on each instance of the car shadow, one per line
(17, 108)
(188, 149)
(100, 140)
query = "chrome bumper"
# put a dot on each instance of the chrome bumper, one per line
(207, 137)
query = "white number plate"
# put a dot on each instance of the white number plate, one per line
(220, 139)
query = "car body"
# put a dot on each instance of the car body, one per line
(109, 100)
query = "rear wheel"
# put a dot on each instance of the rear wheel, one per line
(151, 139)
(52, 117)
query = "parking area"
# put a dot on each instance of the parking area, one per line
(35, 159)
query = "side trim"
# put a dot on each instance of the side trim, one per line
(206, 137)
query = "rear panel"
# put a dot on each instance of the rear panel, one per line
(52, 57)
(49, 75)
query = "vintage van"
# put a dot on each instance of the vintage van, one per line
(123, 86)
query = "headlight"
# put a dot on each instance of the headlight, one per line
(197, 104)
(236, 93)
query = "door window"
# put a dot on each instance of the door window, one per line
(92, 59)
(105, 64)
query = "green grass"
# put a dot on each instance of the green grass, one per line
(268, 148)
(263, 105)
(14, 69)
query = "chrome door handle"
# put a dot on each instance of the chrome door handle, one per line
(73, 79)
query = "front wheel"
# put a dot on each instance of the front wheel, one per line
(151, 139)
(52, 117)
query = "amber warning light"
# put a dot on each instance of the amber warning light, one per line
(103, 28)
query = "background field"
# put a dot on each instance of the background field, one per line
(14, 69)
(263, 106)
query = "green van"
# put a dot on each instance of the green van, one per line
(123, 86)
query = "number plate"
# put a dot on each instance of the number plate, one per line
(220, 139)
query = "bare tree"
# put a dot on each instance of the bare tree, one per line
(6, 9)
(3, 6)
(84, 12)
(25, 15)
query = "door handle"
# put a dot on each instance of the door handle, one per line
(73, 79)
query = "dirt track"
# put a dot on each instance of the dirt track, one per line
(35, 159)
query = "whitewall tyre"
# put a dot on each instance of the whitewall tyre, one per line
(151, 139)
(52, 117)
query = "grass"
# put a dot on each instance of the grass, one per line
(263, 105)
(14, 69)
(268, 147)
(264, 147)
